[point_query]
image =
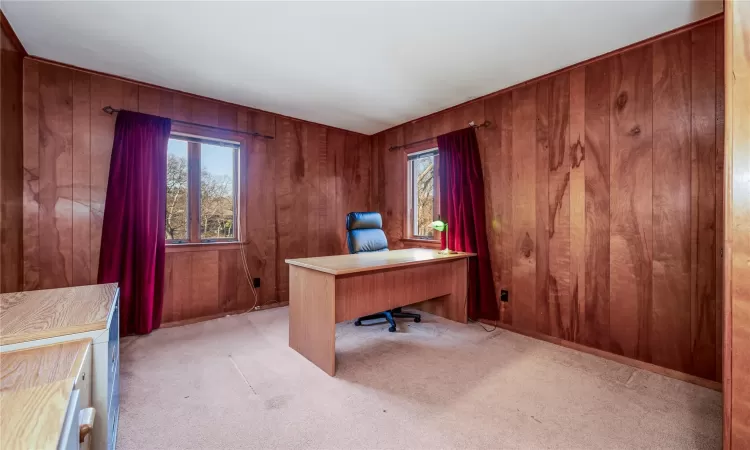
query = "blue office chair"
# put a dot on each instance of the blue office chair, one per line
(364, 233)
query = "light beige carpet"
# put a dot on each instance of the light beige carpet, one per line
(233, 383)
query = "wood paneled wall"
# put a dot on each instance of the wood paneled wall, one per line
(737, 242)
(604, 196)
(298, 189)
(11, 168)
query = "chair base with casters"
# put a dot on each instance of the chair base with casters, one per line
(389, 316)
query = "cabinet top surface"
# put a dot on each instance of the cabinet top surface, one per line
(32, 315)
(365, 262)
(35, 388)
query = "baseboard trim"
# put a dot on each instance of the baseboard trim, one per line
(192, 320)
(710, 384)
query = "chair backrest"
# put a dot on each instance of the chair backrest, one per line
(364, 232)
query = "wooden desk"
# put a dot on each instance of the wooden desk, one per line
(39, 318)
(326, 290)
(42, 390)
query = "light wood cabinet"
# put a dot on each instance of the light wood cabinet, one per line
(45, 397)
(39, 318)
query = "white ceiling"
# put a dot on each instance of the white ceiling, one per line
(361, 66)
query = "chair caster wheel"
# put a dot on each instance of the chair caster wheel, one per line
(417, 319)
(392, 329)
(357, 323)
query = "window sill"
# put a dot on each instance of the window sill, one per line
(425, 243)
(203, 246)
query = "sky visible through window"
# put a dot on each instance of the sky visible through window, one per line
(177, 148)
(217, 160)
(210, 161)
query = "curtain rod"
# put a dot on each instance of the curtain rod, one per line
(110, 110)
(484, 124)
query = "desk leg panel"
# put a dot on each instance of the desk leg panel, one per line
(452, 306)
(312, 309)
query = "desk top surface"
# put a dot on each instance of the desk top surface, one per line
(32, 315)
(35, 388)
(365, 262)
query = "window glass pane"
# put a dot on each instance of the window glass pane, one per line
(177, 190)
(217, 191)
(423, 195)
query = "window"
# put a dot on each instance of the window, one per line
(422, 193)
(201, 189)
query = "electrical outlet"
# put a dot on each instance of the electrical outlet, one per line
(504, 296)
(256, 282)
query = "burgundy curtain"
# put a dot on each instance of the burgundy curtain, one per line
(462, 207)
(132, 248)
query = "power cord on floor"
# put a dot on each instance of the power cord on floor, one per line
(483, 327)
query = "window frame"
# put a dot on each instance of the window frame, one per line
(409, 155)
(194, 136)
